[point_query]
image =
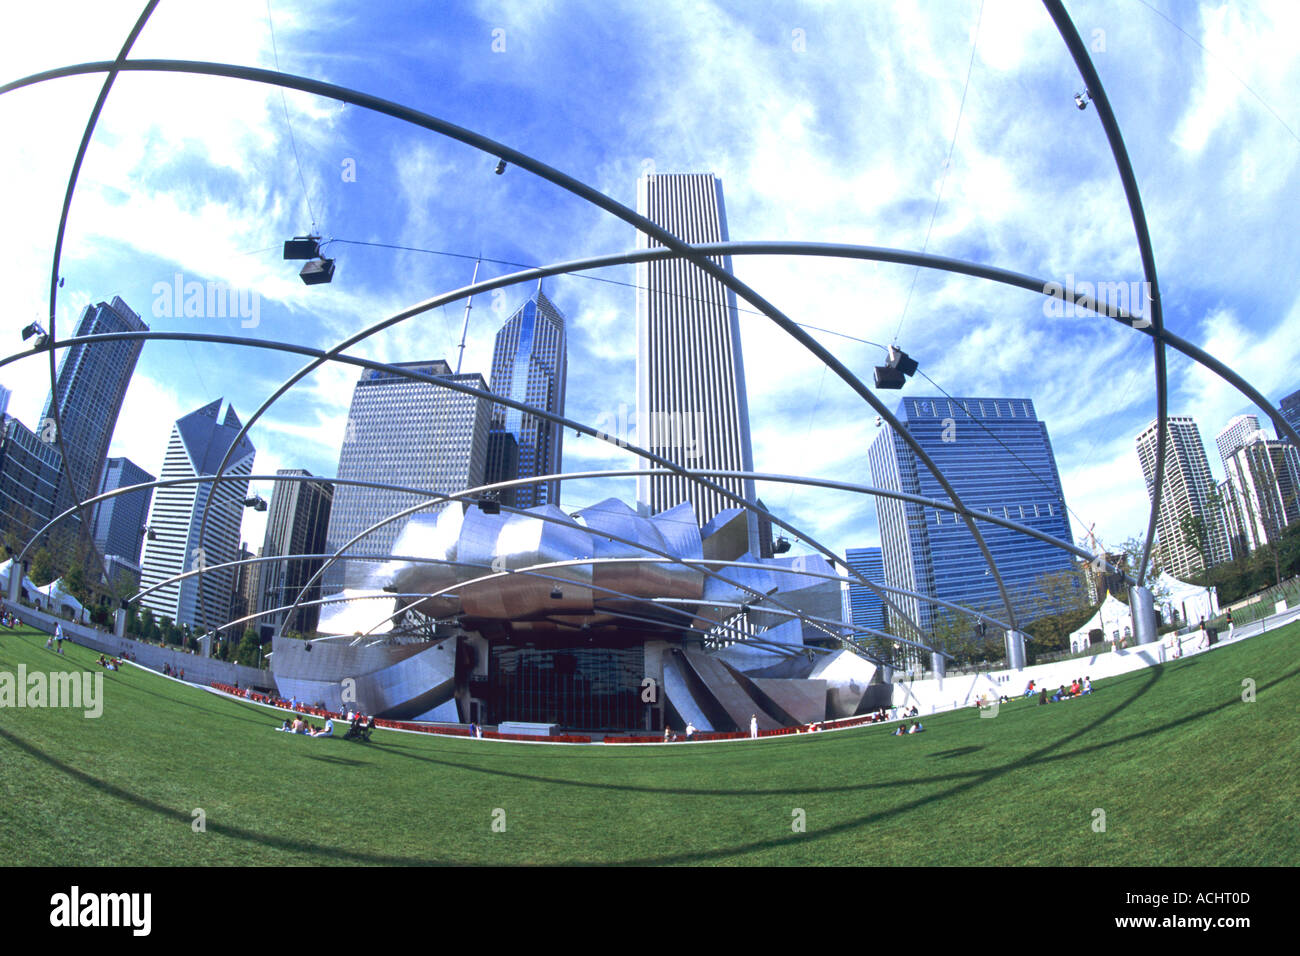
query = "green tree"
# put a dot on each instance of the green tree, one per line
(42, 569)
(148, 626)
(1196, 535)
(250, 649)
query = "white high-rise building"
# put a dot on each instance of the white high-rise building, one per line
(1235, 434)
(1189, 489)
(691, 404)
(404, 432)
(198, 443)
(1262, 487)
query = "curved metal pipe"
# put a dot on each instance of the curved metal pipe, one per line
(583, 191)
(71, 188)
(1097, 92)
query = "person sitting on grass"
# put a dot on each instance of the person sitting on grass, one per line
(1074, 688)
(1059, 695)
(326, 731)
(899, 732)
(1029, 691)
(1087, 685)
(1042, 697)
(285, 728)
(916, 728)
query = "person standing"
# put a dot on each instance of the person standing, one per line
(690, 730)
(1230, 622)
(753, 726)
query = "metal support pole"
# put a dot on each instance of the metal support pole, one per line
(1015, 643)
(1142, 606)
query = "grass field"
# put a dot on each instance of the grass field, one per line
(1186, 772)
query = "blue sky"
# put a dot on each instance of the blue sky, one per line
(826, 122)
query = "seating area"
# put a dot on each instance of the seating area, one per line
(295, 707)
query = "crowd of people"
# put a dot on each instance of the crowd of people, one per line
(300, 726)
(1077, 688)
(109, 663)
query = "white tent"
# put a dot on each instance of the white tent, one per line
(1113, 619)
(62, 604)
(1190, 602)
(31, 589)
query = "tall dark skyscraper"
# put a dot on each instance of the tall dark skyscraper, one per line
(29, 480)
(997, 455)
(91, 384)
(297, 522)
(691, 403)
(1289, 406)
(119, 522)
(865, 606)
(530, 364)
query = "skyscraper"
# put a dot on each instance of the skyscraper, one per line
(297, 523)
(997, 455)
(865, 606)
(1262, 486)
(1235, 434)
(29, 480)
(120, 521)
(1189, 492)
(198, 443)
(1289, 406)
(409, 433)
(91, 384)
(530, 364)
(691, 402)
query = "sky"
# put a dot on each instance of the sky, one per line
(948, 126)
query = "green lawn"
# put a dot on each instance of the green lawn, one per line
(1185, 771)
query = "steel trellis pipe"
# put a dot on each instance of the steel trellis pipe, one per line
(581, 190)
(1097, 93)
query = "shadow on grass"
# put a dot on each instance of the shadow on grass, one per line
(970, 779)
(183, 816)
(955, 752)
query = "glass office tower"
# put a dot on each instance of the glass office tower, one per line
(296, 523)
(119, 526)
(997, 455)
(91, 384)
(865, 607)
(530, 365)
(406, 432)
